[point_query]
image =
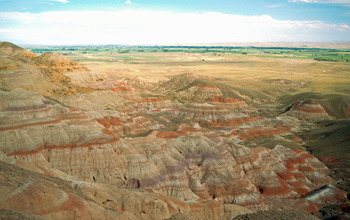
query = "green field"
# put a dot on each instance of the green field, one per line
(319, 54)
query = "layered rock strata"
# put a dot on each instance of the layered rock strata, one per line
(131, 157)
(309, 110)
(215, 115)
(187, 168)
(200, 92)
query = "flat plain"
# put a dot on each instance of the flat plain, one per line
(246, 67)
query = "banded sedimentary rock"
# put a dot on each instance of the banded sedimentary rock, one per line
(258, 131)
(43, 74)
(177, 82)
(97, 101)
(155, 104)
(98, 81)
(200, 92)
(36, 130)
(140, 124)
(309, 110)
(229, 103)
(133, 157)
(47, 197)
(189, 168)
(13, 51)
(19, 73)
(143, 82)
(53, 62)
(215, 115)
(40, 196)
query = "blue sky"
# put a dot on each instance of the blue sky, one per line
(169, 21)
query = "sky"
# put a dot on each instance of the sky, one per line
(143, 22)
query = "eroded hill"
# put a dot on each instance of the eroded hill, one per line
(80, 144)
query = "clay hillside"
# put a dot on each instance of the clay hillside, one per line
(75, 144)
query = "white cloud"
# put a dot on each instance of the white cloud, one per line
(63, 1)
(18, 17)
(6, 30)
(128, 2)
(159, 27)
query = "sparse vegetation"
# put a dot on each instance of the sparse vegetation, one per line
(318, 54)
(330, 139)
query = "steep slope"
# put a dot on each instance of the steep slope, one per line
(330, 142)
(43, 74)
(308, 110)
(187, 168)
(336, 105)
(177, 82)
(230, 103)
(13, 51)
(330, 133)
(37, 196)
(32, 193)
(192, 88)
(149, 157)
(215, 115)
(105, 82)
(200, 91)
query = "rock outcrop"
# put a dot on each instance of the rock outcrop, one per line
(309, 110)
(93, 148)
(27, 192)
(44, 74)
(178, 82)
(31, 195)
(214, 115)
(229, 103)
(200, 91)
(187, 168)
(57, 62)
(13, 51)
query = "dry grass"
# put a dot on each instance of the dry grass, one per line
(233, 69)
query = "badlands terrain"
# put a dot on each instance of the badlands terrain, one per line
(174, 133)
